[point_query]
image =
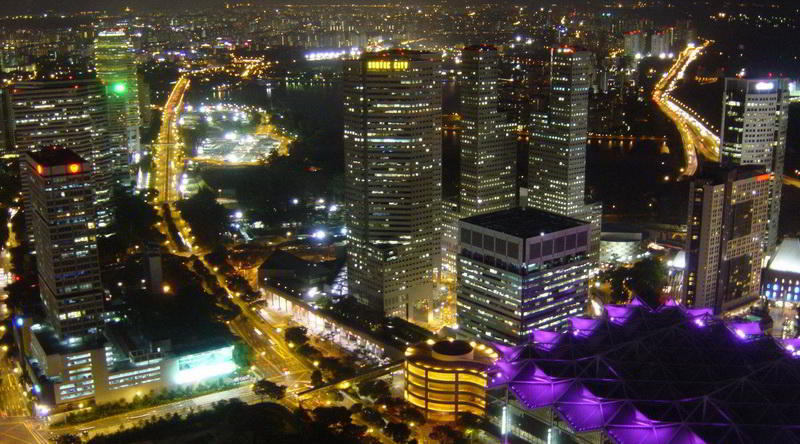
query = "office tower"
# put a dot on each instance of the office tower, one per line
(519, 270)
(488, 146)
(393, 185)
(5, 134)
(113, 58)
(634, 43)
(58, 189)
(557, 161)
(71, 114)
(726, 228)
(755, 113)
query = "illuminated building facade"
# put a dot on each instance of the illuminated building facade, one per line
(726, 230)
(114, 62)
(557, 160)
(72, 114)
(448, 377)
(755, 114)
(107, 369)
(781, 279)
(59, 198)
(488, 146)
(393, 179)
(519, 270)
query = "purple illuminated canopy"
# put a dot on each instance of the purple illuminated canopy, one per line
(665, 375)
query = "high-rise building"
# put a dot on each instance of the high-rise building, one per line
(755, 113)
(660, 43)
(59, 195)
(114, 62)
(488, 146)
(634, 42)
(71, 114)
(393, 179)
(557, 160)
(726, 229)
(519, 270)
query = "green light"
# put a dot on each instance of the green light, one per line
(119, 88)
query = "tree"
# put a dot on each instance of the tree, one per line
(374, 389)
(398, 431)
(68, 438)
(296, 335)
(647, 280)
(329, 417)
(468, 420)
(372, 416)
(242, 355)
(446, 434)
(316, 378)
(411, 414)
(269, 389)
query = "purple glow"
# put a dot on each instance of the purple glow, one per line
(618, 314)
(745, 329)
(584, 327)
(545, 340)
(700, 322)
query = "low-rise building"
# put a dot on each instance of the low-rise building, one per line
(448, 377)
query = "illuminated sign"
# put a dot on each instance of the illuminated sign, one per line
(74, 168)
(39, 169)
(762, 177)
(202, 366)
(387, 65)
(764, 86)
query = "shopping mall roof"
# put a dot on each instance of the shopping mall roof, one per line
(669, 375)
(787, 257)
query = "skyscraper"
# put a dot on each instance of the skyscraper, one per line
(393, 179)
(755, 113)
(488, 146)
(71, 114)
(519, 270)
(557, 161)
(59, 195)
(113, 57)
(726, 229)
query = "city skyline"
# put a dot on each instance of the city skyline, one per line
(356, 223)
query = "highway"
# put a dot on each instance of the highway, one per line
(168, 150)
(270, 346)
(695, 136)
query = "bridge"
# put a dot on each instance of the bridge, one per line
(353, 380)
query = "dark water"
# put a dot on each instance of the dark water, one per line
(629, 178)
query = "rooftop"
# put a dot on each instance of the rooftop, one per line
(51, 344)
(524, 222)
(55, 156)
(665, 375)
(787, 257)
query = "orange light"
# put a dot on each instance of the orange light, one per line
(762, 177)
(39, 169)
(74, 168)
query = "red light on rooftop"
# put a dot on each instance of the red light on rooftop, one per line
(74, 168)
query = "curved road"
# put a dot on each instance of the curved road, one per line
(694, 135)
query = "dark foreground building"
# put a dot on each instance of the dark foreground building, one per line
(638, 375)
